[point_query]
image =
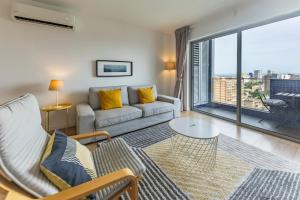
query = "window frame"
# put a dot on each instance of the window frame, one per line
(237, 31)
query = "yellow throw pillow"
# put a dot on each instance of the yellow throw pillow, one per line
(146, 95)
(110, 99)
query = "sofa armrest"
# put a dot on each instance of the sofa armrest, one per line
(85, 119)
(175, 101)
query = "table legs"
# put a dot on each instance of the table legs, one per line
(192, 156)
(191, 153)
(46, 123)
(47, 120)
(67, 118)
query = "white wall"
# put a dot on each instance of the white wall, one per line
(167, 78)
(247, 13)
(32, 55)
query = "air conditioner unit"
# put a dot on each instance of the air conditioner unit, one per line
(39, 15)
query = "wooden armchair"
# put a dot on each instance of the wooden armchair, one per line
(9, 191)
(22, 141)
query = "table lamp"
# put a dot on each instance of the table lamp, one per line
(56, 85)
(170, 66)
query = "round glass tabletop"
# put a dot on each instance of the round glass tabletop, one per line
(193, 127)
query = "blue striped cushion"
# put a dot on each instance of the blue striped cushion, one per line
(66, 162)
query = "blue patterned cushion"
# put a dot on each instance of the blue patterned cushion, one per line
(67, 163)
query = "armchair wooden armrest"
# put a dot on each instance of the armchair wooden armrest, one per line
(95, 185)
(93, 134)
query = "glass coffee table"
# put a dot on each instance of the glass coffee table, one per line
(195, 143)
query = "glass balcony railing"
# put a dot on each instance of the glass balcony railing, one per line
(224, 91)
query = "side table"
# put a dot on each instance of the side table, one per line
(53, 108)
(195, 144)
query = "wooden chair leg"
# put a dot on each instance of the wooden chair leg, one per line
(133, 191)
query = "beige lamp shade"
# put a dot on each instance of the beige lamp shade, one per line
(170, 65)
(56, 85)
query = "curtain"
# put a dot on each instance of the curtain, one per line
(181, 36)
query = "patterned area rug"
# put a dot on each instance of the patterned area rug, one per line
(219, 184)
(148, 136)
(269, 184)
(235, 161)
(155, 184)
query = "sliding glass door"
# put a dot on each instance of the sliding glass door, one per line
(201, 74)
(214, 76)
(224, 77)
(271, 77)
(251, 76)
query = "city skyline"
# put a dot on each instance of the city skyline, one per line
(232, 75)
(260, 51)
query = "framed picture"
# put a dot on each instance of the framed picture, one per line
(111, 68)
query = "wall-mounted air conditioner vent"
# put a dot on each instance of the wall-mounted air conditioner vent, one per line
(38, 15)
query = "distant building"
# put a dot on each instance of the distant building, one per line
(258, 74)
(224, 90)
(284, 76)
(267, 78)
(294, 76)
(286, 86)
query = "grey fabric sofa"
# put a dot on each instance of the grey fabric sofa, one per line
(132, 116)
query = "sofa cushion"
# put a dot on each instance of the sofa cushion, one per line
(133, 93)
(110, 99)
(22, 143)
(94, 99)
(155, 108)
(146, 95)
(115, 116)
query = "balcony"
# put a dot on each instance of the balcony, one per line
(222, 102)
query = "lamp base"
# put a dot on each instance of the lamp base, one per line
(57, 98)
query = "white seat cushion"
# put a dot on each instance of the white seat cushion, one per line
(22, 143)
(116, 116)
(155, 108)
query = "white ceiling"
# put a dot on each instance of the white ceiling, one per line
(159, 15)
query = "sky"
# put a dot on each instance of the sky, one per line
(273, 47)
